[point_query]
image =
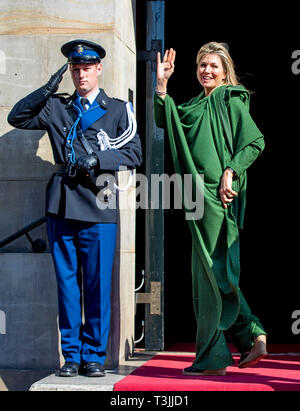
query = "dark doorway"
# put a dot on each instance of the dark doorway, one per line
(262, 50)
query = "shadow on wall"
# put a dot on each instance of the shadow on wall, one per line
(28, 295)
(23, 178)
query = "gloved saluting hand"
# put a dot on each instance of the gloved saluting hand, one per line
(52, 86)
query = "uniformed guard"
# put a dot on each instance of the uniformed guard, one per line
(91, 135)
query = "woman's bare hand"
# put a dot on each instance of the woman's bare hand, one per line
(165, 69)
(226, 193)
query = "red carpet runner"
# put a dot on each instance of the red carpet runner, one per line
(164, 373)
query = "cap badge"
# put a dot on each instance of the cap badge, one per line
(80, 49)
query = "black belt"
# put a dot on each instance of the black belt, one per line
(59, 168)
(65, 169)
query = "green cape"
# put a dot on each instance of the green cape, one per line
(206, 135)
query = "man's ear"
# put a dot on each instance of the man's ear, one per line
(99, 69)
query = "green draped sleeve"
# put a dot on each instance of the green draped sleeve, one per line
(243, 127)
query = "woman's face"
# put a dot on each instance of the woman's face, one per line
(210, 72)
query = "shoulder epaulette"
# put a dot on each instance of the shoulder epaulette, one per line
(118, 99)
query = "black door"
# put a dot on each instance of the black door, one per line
(267, 59)
(268, 63)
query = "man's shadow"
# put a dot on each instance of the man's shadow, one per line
(28, 290)
(24, 173)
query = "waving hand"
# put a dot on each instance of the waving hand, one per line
(165, 69)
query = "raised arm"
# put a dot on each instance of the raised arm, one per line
(31, 111)
(164, 71)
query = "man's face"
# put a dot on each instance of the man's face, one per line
(85, 77)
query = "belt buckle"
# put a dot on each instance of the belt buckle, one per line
(72, 170)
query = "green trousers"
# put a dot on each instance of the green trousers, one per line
(212, 351)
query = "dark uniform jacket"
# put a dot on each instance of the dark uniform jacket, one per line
(75, 197)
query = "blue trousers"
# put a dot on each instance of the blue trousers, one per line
(83, 255)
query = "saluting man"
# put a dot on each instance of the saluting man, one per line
(91, 134)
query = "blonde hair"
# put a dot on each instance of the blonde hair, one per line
(222, 50)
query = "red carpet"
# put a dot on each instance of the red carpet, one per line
(272, 348)
(164, 373)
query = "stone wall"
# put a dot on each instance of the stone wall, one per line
(31, 34)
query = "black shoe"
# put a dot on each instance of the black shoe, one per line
(94, 369)
(69, 369)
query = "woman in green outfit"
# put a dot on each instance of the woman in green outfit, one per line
(214, 135)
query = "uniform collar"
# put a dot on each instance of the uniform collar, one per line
(92, 97)
(101, 97)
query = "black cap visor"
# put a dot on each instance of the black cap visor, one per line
(84, 60)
